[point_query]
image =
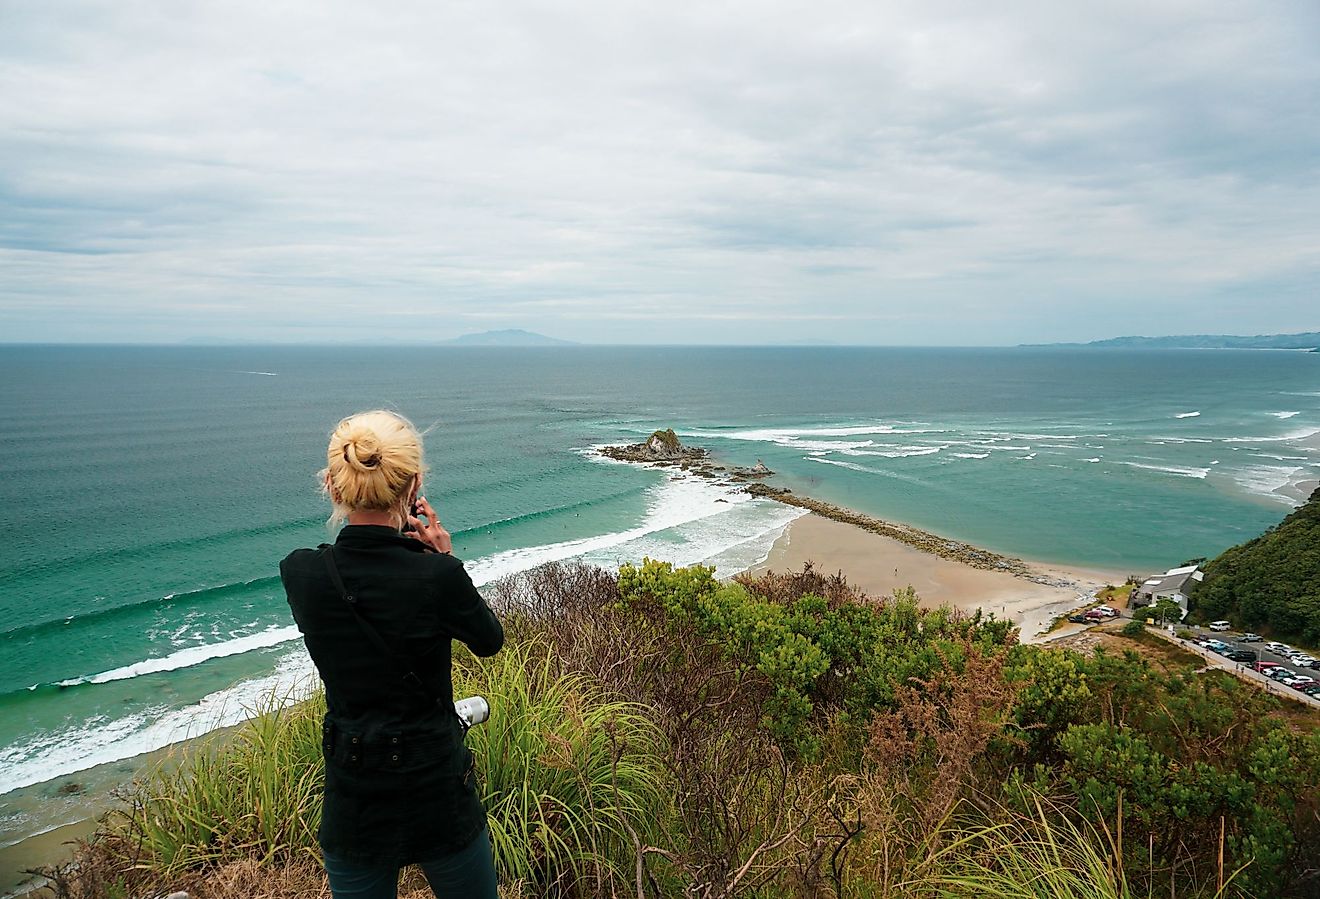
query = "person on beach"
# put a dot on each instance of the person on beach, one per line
(377, 610)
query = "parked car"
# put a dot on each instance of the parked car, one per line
(1241, 655)
(1249, 638)
(1296, 682)
(1079, 619)
(1220, 625)
(1216, 645)
(1306, 661)
(1272, 646)
(1279, 672)
(1264, 667)
(1107, 611)
(1093, 615)
(1312, 690)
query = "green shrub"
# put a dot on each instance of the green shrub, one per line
(1134, 628)
(847, 655)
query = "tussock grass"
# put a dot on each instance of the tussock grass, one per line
(253, 794)
(1048, 855)
(571, 774)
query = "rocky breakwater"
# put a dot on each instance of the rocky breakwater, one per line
(915, 537)
(664, 449)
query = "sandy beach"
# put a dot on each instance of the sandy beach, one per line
(879, 565)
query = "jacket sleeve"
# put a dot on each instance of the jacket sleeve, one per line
(469, 619)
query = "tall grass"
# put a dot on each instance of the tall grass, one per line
(1048, 855)
(571, 782)
(251, 794)
(572, 775)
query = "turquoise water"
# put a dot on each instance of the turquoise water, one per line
(146, 494)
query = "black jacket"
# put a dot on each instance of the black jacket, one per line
(399, 784)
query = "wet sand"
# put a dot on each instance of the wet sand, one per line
(879, 565)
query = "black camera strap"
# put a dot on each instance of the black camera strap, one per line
(409, 675)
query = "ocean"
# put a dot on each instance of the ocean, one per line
(148, 493)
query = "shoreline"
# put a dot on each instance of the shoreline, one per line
(83, 809)
(878, 563)
(922, 541)
(866, 549)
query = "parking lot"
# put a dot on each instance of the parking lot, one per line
(1233, 642)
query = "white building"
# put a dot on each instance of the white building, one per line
(1172, 585)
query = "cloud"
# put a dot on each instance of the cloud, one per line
(907, 173)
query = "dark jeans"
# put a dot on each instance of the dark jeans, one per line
(468, 872)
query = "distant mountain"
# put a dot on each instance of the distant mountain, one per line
(512, 337)
(1309, 340)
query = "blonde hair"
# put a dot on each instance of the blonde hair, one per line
(372, 459)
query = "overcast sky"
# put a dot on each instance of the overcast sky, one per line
(858, 172)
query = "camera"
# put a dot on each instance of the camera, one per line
(473, 710)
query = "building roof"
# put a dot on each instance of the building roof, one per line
(1171, 581)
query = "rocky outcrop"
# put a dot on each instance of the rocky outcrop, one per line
(661, 446)
(754, 473)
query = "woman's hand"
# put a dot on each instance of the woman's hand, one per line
(432, 533)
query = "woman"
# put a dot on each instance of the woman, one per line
(378, 610)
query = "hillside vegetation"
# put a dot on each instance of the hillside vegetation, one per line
(1272, 583)
(657, 732)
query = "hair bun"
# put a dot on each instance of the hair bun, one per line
(371, 460)
(362, 451)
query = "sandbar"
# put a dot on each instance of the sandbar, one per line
(878, 565)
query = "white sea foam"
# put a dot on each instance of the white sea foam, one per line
(989, 445)
(1281, 438)
(59, 752)
(971, 455)
(1187, 415)
(1027, 457)
(1096, 459)
(193, 655)
(732, 542)
(792, 436)
(674, 505)
(1266, 480)
(852, 466)
(898, 452)
(1284, 414)
(1171, 469)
